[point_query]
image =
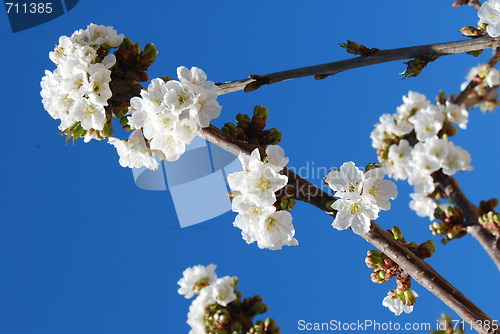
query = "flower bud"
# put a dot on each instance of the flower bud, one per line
(403, 282)
(409, 298)
(471, 32)
(396, 232)
(426, 249)
(378, 277)
(358, 49)
(415, 67)
(460, 3)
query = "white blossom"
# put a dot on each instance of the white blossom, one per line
(276, 231)
(427, 122)
(261, 184)
(489, 13)
(456, 160)
(457, 114)
(399, 157)
(345, 181)
(378, 190)
(275, 157)
(422, 181)
(132, 154)
(411, 103)
(378, 134)
(422, 205)
(222, 291)
(436, 148)
(396, 305)
(194, 279)
(355, 211)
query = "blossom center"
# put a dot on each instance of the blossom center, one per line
(356, 208)
(263, 184)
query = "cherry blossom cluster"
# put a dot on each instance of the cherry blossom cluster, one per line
(412, 144)
(361, 196)
(171, 113)
(202, 281)
(254, 196)
(78, 89)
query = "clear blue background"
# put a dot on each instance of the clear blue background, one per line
(82, 250)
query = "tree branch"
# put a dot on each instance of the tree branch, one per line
(430, 51)
(422, 272)
(488, 241)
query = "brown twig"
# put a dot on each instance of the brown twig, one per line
(430, 51)
(422, 272)
(488, 241)
(463, 96)
(475, 3)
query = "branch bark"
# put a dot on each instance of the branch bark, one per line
(430, 51)
(422, 272)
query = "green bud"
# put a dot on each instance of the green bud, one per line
(409, 298)
(291, 204)
(371, 166)
(284, 203)
(396, 232)
(358, 49)
(426, 249)
(107, 131)
(126, 43)
(378, 277)
(329, 204)
(415, 67)
(149, 48)
(476, 53)
(261, 111)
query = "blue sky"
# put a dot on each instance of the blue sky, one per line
(83, 250)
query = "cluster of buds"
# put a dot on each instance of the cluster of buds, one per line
(490, 218)
(127, 74)
(267, 326)
(251, 129)
(218, 307)
(384, 268)
(286, 202)
(451, 224)
(402, 298)
(236, 317)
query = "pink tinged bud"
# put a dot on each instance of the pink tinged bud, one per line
(471, 32)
